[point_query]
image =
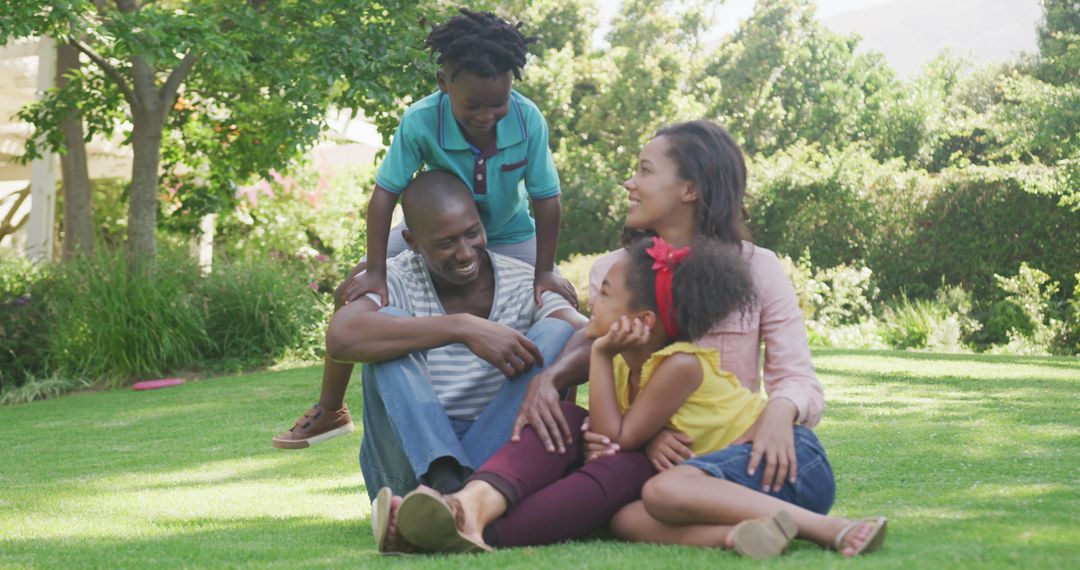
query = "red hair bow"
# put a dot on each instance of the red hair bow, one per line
(665, 259)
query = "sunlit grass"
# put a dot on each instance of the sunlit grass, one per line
(976, 459)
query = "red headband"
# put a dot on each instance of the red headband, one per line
(666, 259)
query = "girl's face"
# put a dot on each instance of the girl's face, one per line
(656, 192)
(611, 304)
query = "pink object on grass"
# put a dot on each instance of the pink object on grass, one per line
(155, 384)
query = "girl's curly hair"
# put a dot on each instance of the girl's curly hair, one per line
(711, 283)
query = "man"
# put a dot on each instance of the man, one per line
(455, 350)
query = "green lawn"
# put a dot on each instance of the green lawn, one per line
(975, 459)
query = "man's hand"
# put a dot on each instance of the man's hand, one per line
(356, 286)
(596, 445)
(505, 348)
(540, 409)
(668, 449)
(551, 281)
(773, 435)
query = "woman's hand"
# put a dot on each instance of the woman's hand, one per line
(773, 436)
(668, 449)
(622, 335)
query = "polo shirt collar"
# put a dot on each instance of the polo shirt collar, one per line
(509, 131)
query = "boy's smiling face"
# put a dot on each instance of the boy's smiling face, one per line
(477, 102)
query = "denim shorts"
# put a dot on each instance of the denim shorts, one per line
(814, 488)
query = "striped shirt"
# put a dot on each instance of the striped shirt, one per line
(464, 383)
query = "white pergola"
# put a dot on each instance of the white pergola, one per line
(27, 71)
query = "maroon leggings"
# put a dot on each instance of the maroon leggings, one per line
(554, 497)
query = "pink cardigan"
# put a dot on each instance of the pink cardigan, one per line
(775, 319)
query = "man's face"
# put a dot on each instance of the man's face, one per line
(452, 242)
(476, 102)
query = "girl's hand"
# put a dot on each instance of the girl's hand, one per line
(623, 335)
(668, 449)
(551, 281)
(773, 435)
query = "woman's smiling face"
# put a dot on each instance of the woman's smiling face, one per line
(656, 190)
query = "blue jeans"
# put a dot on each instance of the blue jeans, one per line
(406, 428)
(814, 488)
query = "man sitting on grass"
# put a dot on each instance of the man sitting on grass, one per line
(453, 353)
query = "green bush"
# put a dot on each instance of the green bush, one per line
(23, 321)
(87, 322)
(843, 206)
(1035, 292)
(942, 324)
(254, 316)
(980, 222)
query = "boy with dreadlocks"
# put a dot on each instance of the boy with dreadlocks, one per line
(478, 128)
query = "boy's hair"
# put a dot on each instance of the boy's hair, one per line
(480, 42)
(710, 284)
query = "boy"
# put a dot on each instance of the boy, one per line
(478, 128)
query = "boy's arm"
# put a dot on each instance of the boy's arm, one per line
(548, 212)
(379, 213)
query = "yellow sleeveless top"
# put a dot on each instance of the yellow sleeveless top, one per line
(720, 410)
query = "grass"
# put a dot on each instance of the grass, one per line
(975, 459)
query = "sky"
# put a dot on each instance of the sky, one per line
(731, 11)
(908, 32)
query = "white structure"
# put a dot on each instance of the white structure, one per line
(27, 70)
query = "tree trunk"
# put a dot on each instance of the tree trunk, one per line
(142, 209)
(78, 224)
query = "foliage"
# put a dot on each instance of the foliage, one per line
(942, 324)
(843, 206)
(1034, 292)
(576, 271)
(783, 77)
(218, 92)
(983, 221)
(86, 321)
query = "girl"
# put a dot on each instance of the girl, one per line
(697, 502)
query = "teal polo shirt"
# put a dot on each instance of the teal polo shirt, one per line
(502, 178)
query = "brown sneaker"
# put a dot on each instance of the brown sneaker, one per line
(315, 426)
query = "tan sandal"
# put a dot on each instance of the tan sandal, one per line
(380, 527)
(430, 521)
(873, 542)
(765, 537)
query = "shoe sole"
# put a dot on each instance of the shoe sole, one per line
(380, 517)
(766, 538)
(427, 522)
(313, 440)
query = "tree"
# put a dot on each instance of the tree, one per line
(78, 224)
(782, 77)
(228, 89)
(1059, 42)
